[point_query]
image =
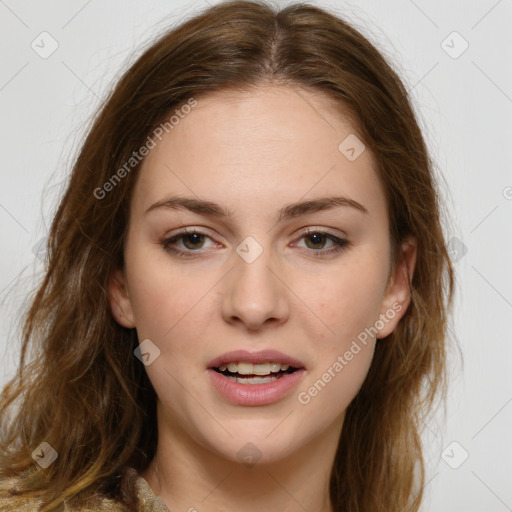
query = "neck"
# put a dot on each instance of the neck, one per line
(188, 477)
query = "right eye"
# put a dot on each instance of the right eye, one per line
(192, 241)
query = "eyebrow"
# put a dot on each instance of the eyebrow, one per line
(211, 209)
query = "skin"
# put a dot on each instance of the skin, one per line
(254, 153)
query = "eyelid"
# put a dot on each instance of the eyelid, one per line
(187, 228)
(327, 231)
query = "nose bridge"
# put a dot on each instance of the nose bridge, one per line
(254, 292)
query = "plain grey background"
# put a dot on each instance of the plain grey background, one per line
(455, 59)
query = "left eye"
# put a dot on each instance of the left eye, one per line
(318, 238)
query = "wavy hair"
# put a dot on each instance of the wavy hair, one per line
(85, 393)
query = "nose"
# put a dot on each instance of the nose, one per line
(255, 293)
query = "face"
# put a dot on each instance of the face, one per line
(312, 282)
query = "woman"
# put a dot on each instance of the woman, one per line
(247, 289)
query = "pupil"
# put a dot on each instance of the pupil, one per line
(188, 237)
(318, 237)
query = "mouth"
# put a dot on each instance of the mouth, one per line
(249, 373)
(261, 367)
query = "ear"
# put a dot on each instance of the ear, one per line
(398, 296)
(119, 300)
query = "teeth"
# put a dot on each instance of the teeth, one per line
(244, 368)
(252, 380)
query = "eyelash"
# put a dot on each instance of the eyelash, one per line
(340, 243)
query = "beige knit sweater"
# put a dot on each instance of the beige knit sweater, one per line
(149, 501)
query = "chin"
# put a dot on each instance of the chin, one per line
(250, 450)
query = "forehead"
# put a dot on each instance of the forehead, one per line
(272, 145)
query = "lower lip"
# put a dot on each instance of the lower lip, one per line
(255, 394)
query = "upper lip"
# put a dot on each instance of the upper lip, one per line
(263, 356)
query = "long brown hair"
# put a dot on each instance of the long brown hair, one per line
(84, 392)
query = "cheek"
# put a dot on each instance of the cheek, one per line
(171, 308)
(348, 304)
(332, 388)
(344, 352)
(163, 297)
(346, 301)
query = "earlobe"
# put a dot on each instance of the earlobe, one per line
(119, 300)
(398, 292)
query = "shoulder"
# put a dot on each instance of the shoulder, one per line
(8, 502)
(149, 502)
